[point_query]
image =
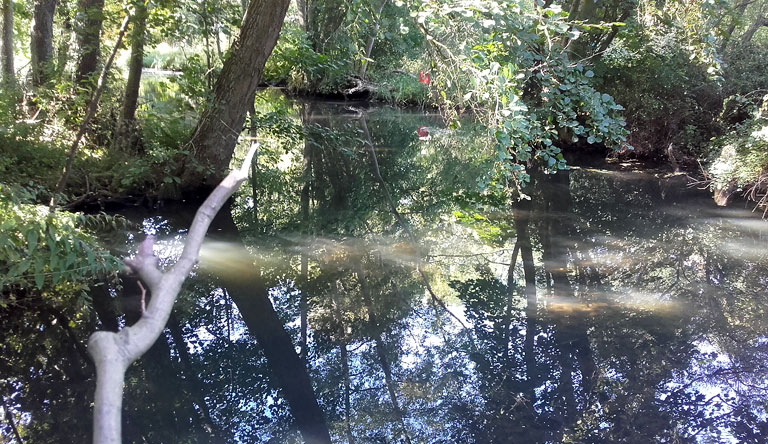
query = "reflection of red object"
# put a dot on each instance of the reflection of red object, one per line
(424, 77)
(422, 131)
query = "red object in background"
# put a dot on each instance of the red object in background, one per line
(424, 77)
(422, 131)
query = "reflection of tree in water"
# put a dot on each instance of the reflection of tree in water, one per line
(614, 369)
(625, 318)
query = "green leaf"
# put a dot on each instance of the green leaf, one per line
(32, 237)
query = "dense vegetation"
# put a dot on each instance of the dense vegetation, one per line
(106, 106)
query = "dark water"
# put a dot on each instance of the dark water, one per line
(634, 311)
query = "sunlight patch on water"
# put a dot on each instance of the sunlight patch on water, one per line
(632, 300)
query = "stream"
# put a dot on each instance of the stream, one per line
(612, 305)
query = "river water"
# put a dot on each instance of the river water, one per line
(613, 305)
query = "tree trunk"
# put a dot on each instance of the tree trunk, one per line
(91, 13)
(213, 141)
(381, 352)
(9, 73)
(11, 421)
(93, 104)
(522, 220)
(65, 40)
(740, 9)
(759, 22)
(41, 45)
(303, 8)
(125, 137)
(344, 356)
(347, 392)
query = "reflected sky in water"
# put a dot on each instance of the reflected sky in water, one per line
(643, 318)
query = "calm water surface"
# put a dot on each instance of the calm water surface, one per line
(613, 306)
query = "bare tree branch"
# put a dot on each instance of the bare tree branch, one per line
(114, 352)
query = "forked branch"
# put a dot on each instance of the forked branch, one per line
(114, 352)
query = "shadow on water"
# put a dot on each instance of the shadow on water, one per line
(608, 308)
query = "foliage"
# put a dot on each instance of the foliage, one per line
(741, 159)
(49, 254)
(399, 88)
(535, 99)
(742, 71)
(296, 64)
(165, 56)
(644, 69)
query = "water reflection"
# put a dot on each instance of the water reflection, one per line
(609, 308)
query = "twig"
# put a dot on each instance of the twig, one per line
(90, 112)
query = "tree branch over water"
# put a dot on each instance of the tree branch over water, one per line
(113, 352)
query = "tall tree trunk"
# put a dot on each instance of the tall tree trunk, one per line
(522, 221)
(6, 53)
(91, 13)
(511, 285)
(759, 22)
(344, 356)
(41, 45)
(372, 39)
(125, 137)
(347, 392)
(89, 113)
(288, 370)
(213, 141)
(207, 39)
(740, 9)
(303, 7)
(65, 40)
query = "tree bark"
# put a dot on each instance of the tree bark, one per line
(213, 141)
(759, 22)
(125, 137)
(65, 41)
(303, 8)
(9, 73)
(91, 16)
(41, 45)
(740, 9)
